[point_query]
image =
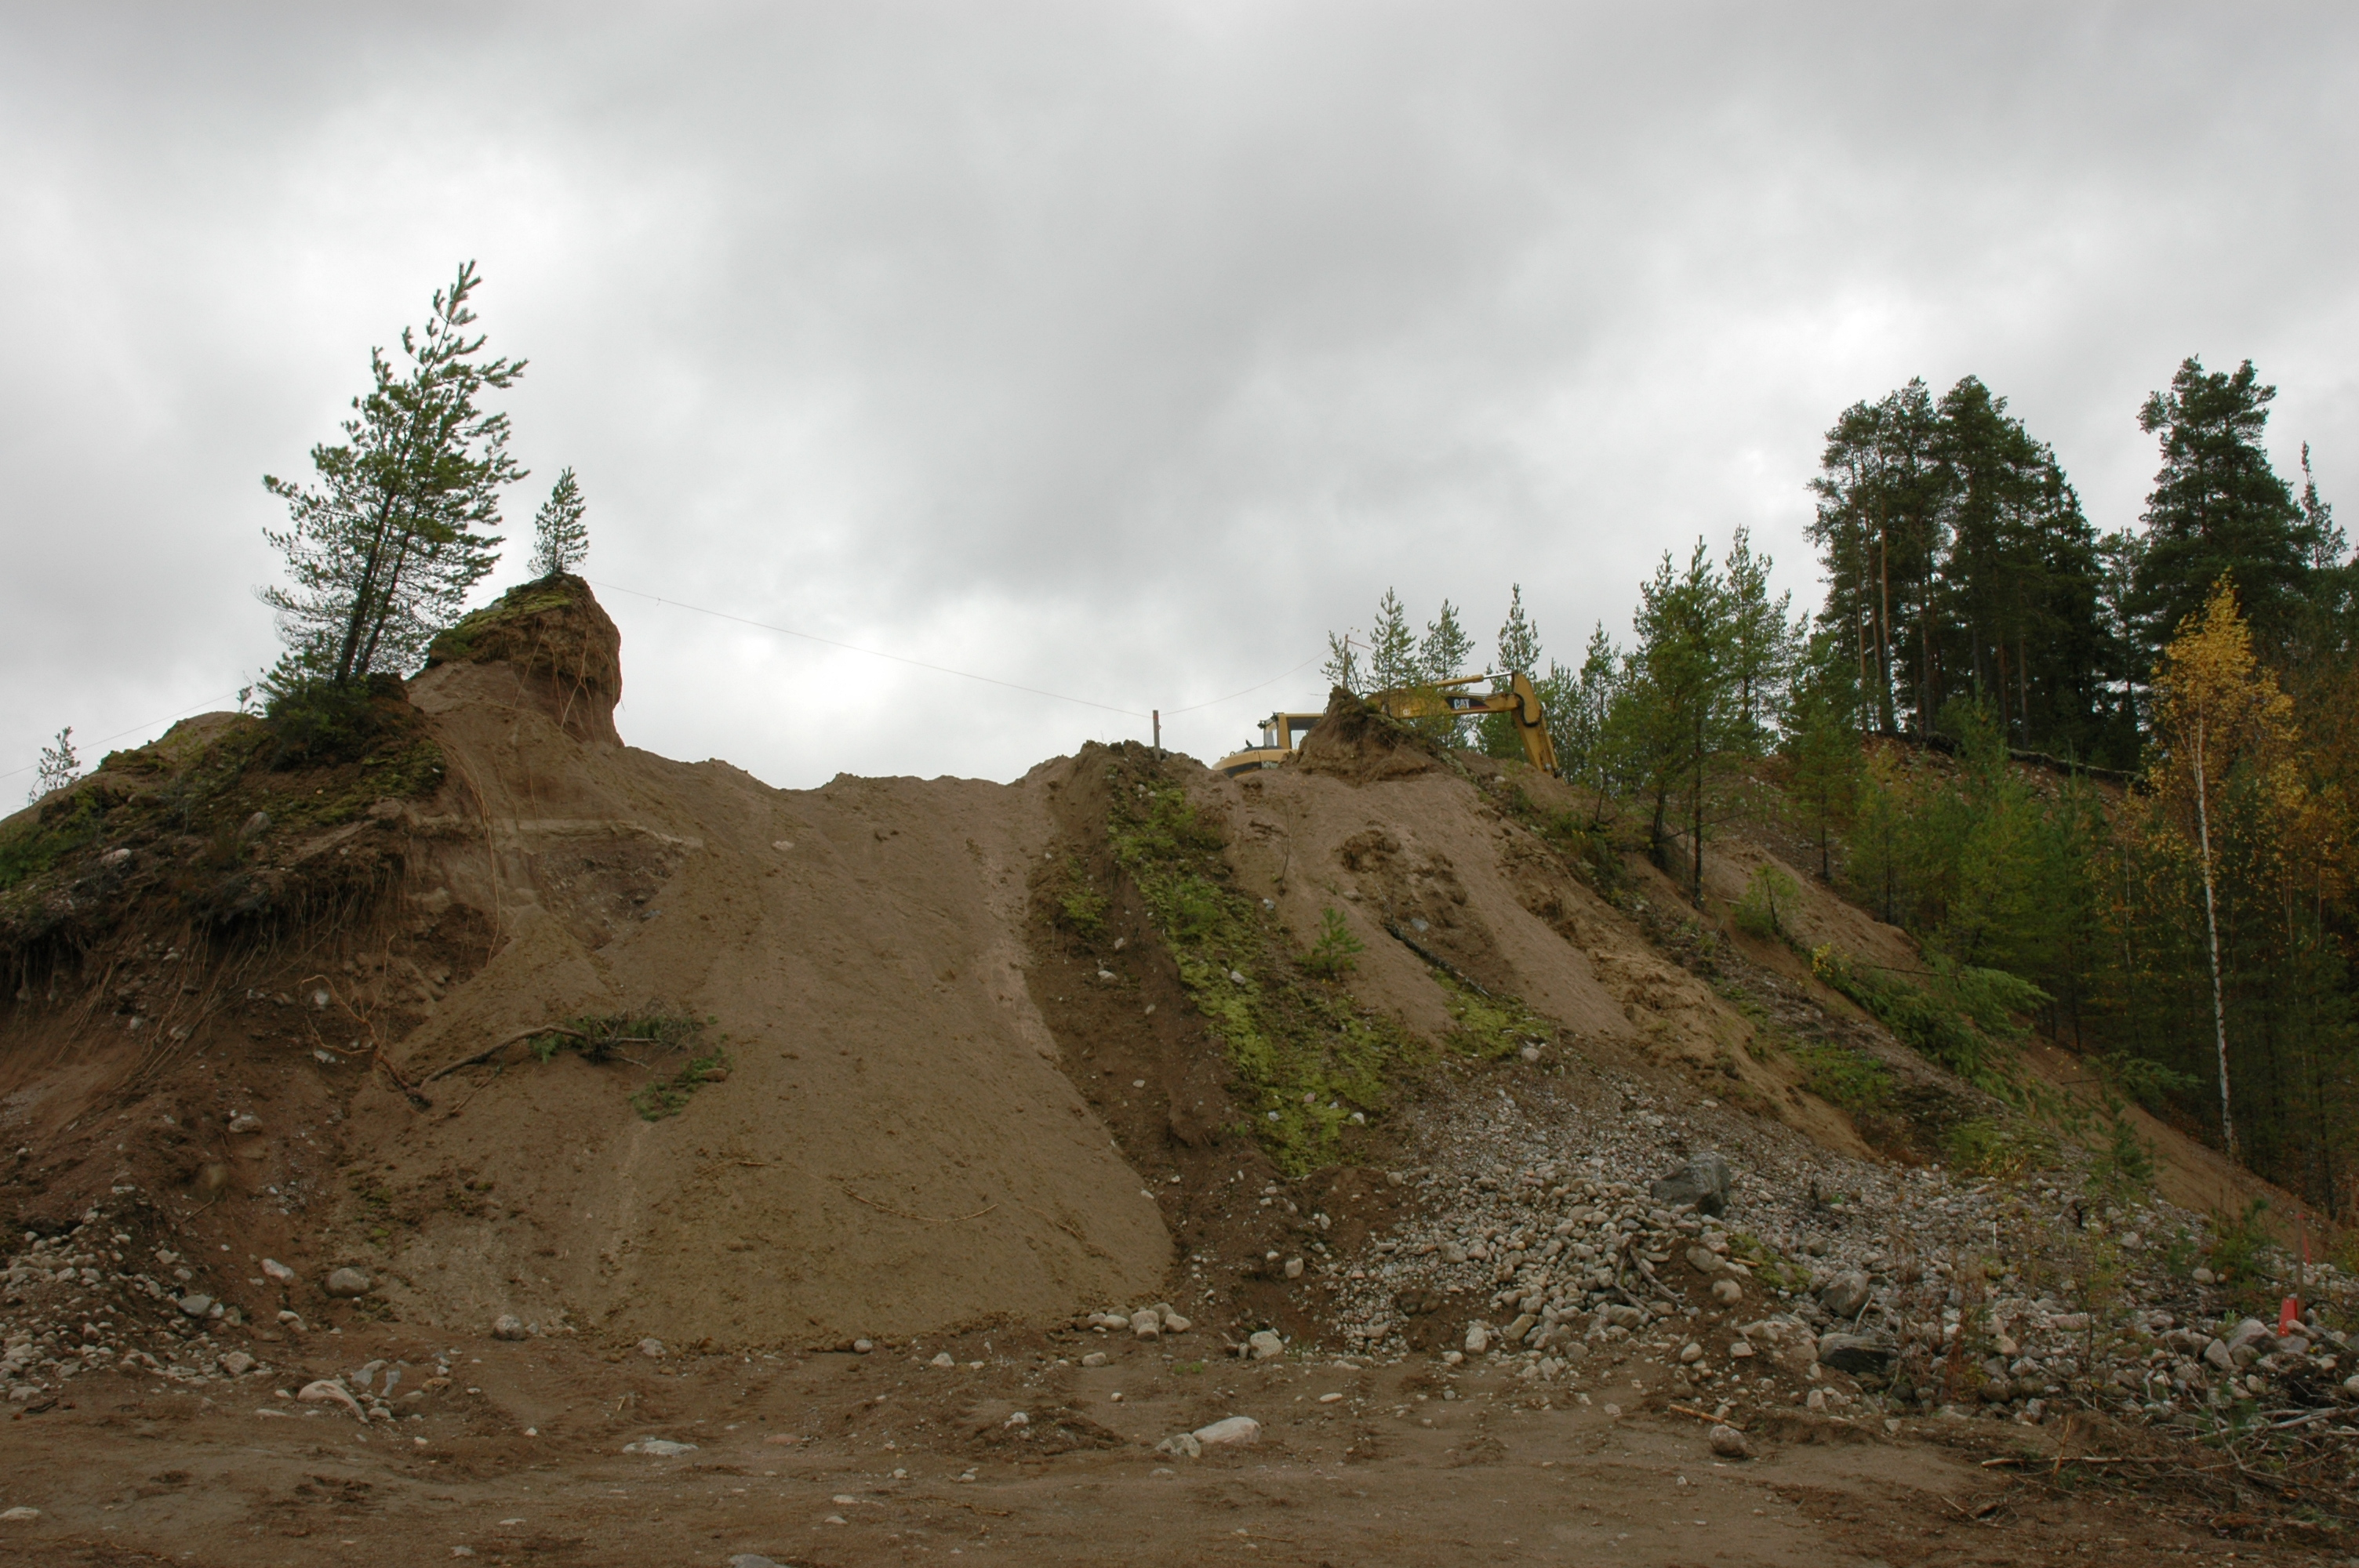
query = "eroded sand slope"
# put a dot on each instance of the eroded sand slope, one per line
(893, 1146)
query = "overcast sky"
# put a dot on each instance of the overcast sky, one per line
(1117, 349)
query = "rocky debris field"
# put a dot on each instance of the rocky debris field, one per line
(1573, 1226)
(100, 1297)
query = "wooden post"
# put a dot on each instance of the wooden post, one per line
(1158, 732)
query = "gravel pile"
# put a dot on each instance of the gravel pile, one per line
(96, 1297)
(1574, 1234)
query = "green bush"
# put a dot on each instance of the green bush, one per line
(1956, 1022)
(1758, 913)
(1984, 1147)
(2149, 1083)
(1843, 1075)
(2238, 1241)
(641, 1039)
(322, 722)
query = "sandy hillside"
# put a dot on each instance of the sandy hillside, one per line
(915, 1095)
(898, 1111)
(893, 1146)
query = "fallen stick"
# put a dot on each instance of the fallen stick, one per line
(2298, 1420)
(485, 1055)
(1703, 1415)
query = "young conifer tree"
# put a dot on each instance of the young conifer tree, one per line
(1519, 650)
(58, 767)
(382, 550)
(561, 539)
(1392, 653)
(1442, 655)
(1341, 666)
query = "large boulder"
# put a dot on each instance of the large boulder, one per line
(1860, 1354)
(1703, 1181)
(1843, 1295)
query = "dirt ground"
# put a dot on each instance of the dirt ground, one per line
(845, 1459)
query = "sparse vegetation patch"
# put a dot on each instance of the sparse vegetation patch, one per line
(1306, 1058)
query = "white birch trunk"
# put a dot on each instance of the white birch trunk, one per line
(2211, 930)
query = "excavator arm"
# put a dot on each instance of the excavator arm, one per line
(1520, 702)
(1445, 698)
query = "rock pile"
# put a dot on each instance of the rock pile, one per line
(97, 1296)
(1147, 1323)
(1572, 1241)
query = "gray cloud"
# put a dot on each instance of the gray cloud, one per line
(1117, 351)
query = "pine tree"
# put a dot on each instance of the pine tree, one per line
(1881, 496)
(2218, 507)
(58, 767)
(561, 538)
(381, 553)
(2329, 549)
(1442, 655)
(2019, 626)
(1677, 705)
(1761, 641)
(1392, 647)
(1519, 650)
(1823, 745)
(1519, 640)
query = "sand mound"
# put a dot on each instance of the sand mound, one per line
(893, 1145)
(1351, 741)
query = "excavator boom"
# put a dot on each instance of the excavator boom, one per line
(1520, 702)
(1446, 698)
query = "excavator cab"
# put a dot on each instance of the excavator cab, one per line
(1279, 732)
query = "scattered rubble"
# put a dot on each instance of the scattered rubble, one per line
(1549, 1235)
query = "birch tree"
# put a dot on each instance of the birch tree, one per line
(2224, 773)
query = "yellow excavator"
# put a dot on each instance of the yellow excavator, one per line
(1444, 698)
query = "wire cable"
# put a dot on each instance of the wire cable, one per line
(193, 708)
(943, 669)
(872, 652)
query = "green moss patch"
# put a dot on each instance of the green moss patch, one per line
(461, 643)
(1488, 1025)
(1304, 1054)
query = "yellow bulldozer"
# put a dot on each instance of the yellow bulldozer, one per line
(1448, 699)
